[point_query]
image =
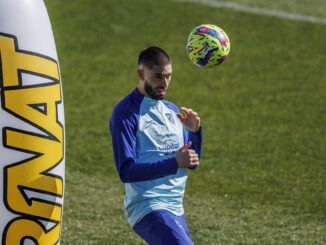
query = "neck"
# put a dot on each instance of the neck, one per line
(141, 89)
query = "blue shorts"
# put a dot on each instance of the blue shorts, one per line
(161, 227)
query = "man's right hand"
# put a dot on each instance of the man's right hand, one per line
(187, 157)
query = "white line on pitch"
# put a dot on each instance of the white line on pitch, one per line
(261, 11)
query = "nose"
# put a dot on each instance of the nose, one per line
(166, 81)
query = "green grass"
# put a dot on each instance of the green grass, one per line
(262, 173)
(314, 8)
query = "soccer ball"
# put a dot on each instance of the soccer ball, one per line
(208, 45)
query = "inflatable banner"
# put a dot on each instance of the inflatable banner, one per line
(31, 126)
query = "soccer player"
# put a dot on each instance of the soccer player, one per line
(152, 150)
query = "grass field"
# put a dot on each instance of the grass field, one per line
(263, 111)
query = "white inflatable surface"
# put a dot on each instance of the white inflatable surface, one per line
(31, 126)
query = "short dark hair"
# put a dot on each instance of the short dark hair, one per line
(153, 56)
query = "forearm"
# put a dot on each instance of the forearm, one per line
(135, 172)
(196, 140)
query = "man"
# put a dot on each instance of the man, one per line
(152, 149)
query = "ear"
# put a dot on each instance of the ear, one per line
(140, 73)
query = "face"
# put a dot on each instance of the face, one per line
(155, 82)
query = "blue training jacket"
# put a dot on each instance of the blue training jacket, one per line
(146, 135)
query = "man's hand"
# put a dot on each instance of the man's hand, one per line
(187, 158)
(190, 120)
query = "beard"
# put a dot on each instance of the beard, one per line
(152, 92)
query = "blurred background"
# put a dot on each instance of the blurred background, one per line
(263, 112)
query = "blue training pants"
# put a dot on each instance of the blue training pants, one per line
(161, 227)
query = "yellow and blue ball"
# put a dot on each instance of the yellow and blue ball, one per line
(208, 45)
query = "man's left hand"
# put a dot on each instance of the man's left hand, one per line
(190, 120)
